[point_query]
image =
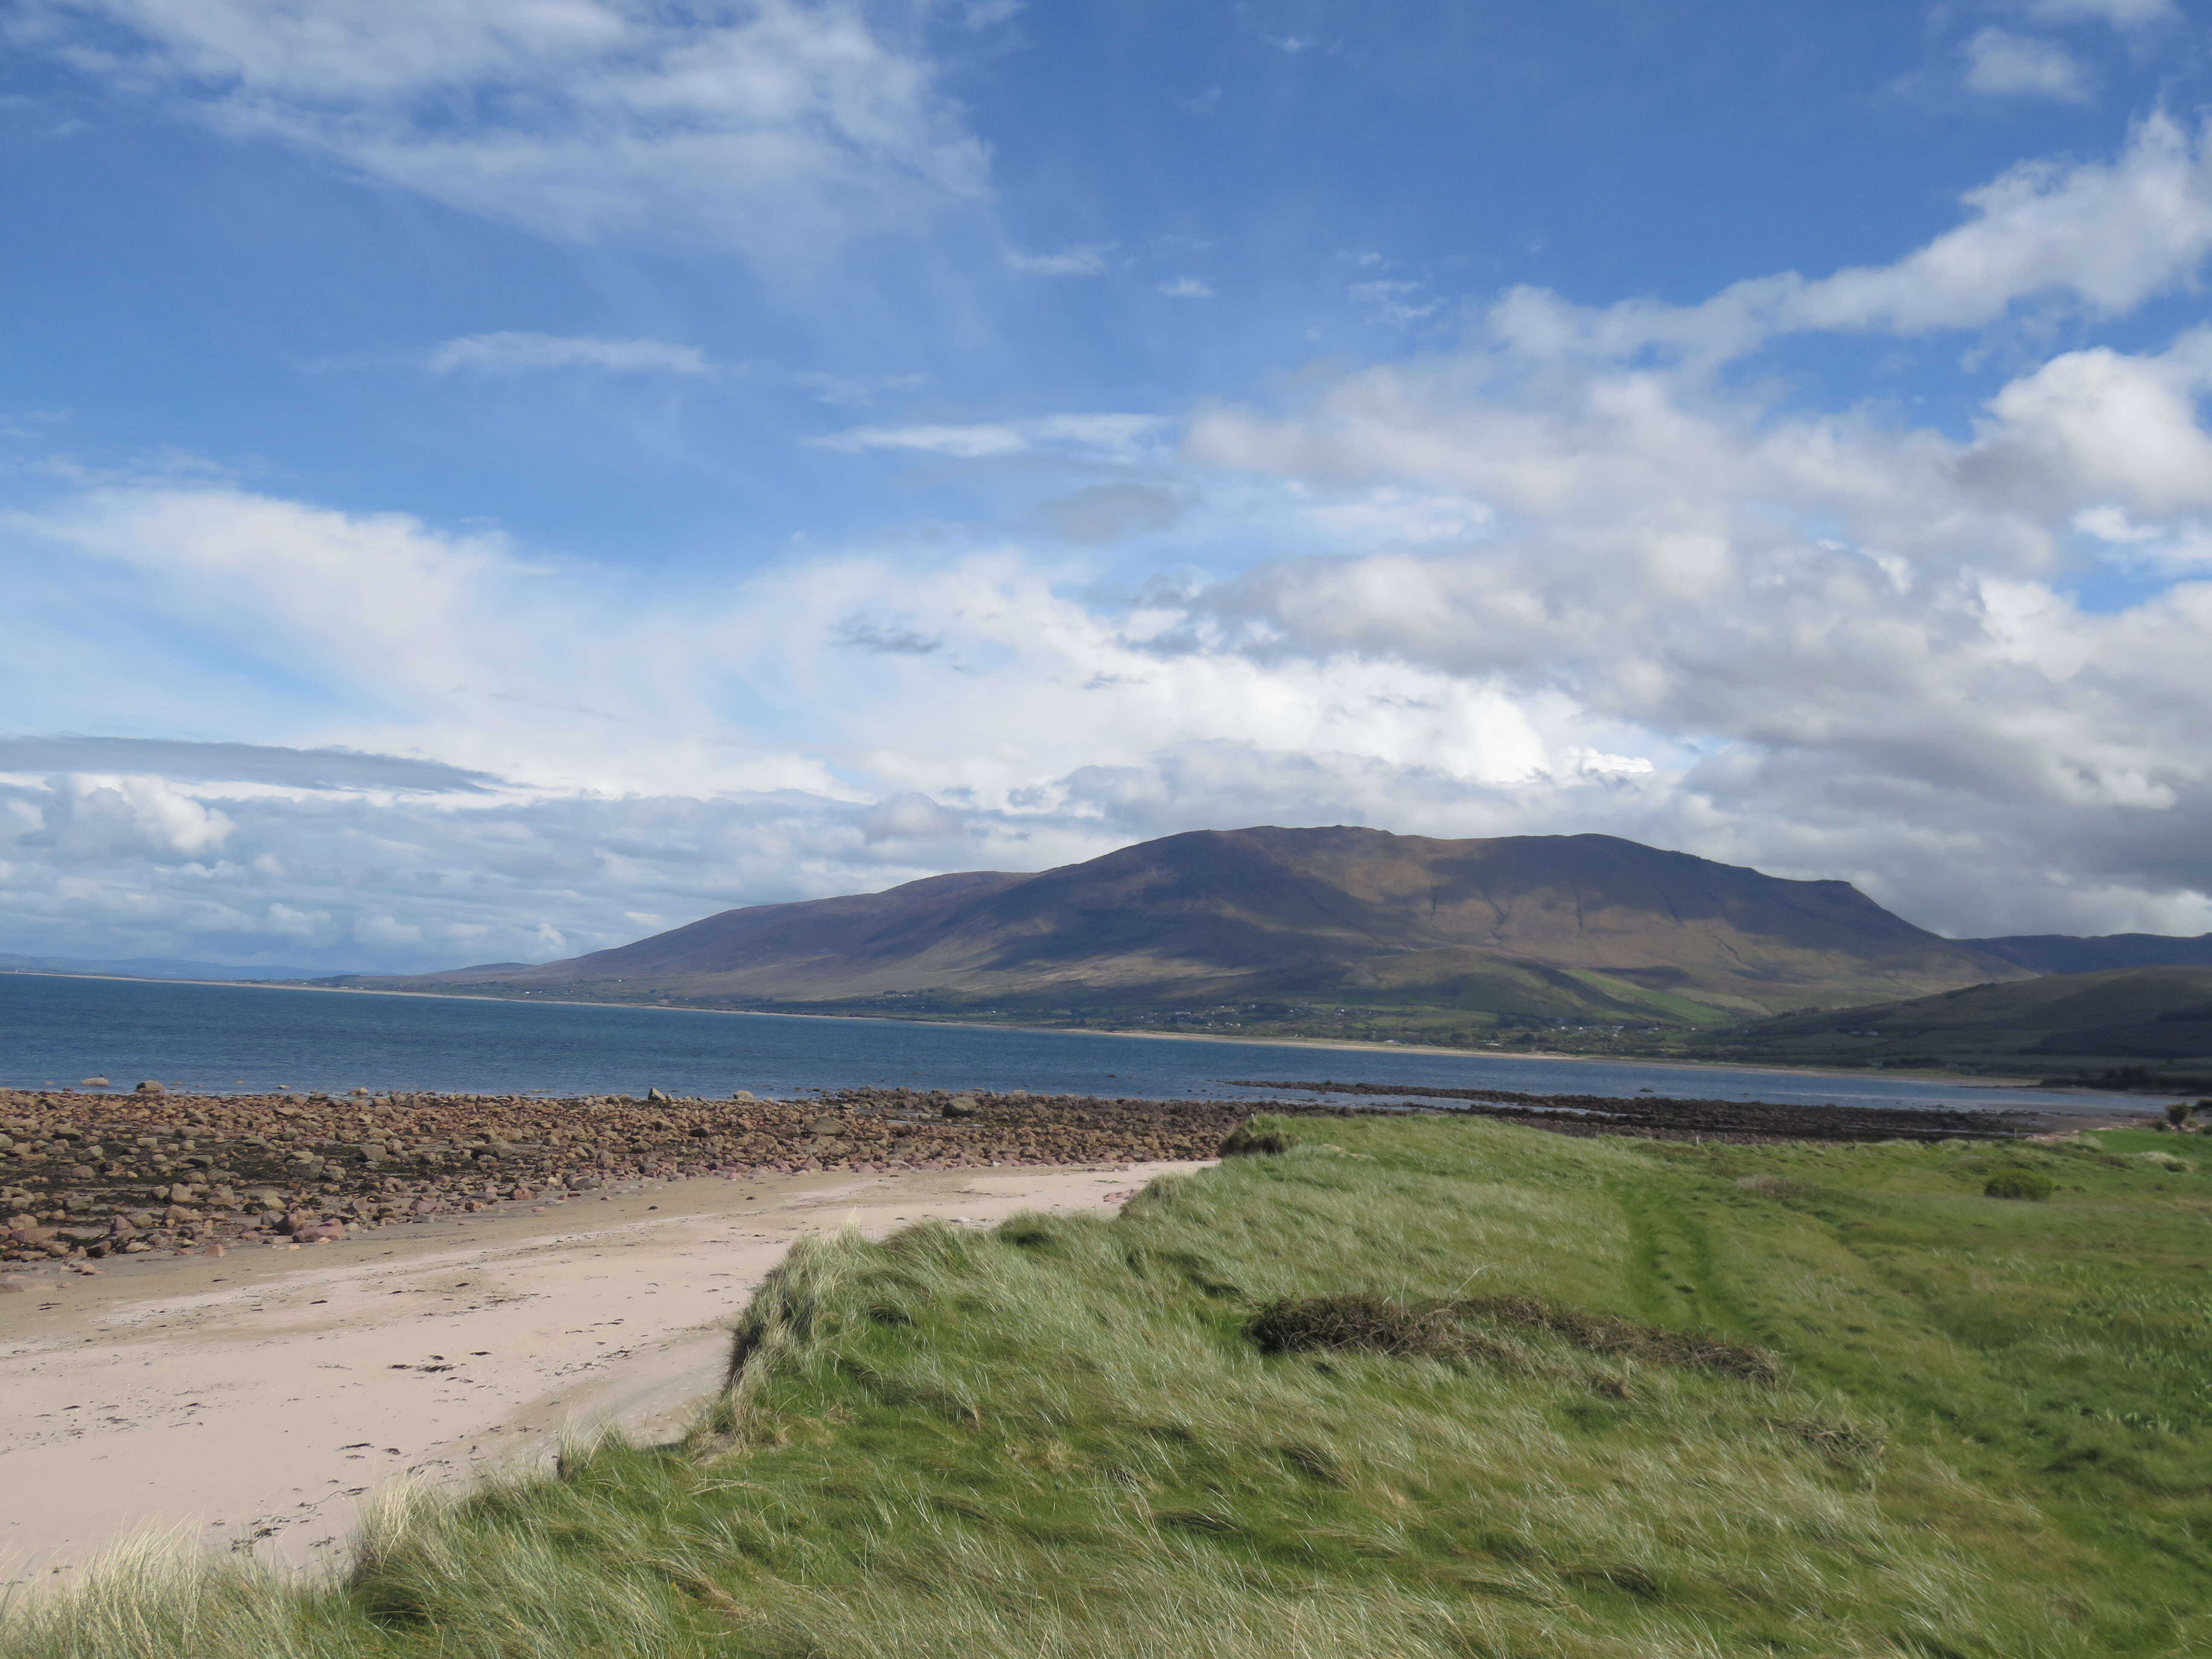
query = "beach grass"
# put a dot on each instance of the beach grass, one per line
(1950, 1425)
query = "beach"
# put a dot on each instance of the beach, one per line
(258, 1401)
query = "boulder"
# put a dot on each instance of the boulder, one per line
(654, 1096)
(92, 1083)
(149, 1087)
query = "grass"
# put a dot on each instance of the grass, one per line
(1975, 1428)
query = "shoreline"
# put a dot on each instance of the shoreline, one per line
(262, 1401)
(1325, 1044)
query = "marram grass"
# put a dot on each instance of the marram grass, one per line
(1987, 1430)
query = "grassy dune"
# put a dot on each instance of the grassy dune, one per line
(1992, 1433)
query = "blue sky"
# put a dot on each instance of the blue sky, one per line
(484, 481)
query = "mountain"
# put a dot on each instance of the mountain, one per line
(2160, 1016)
(1545, 926)
(2060, 953)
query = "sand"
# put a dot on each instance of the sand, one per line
(258, 1401)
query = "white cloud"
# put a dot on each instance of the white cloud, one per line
(92, 818)
(2102, 236)
(1109, 436)
(2004, 64)
(777, 126)
(1551, 579)
(1188, 288)
(509, 352)
(1086, 260)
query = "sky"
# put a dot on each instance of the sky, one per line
(485, 480)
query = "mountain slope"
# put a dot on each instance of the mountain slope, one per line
(2060, 953)
(2155, 1015)
(1544, 925)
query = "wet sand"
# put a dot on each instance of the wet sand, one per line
(258, 1401)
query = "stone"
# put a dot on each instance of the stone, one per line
(827, 1124)
(92, 1083)
(149, 1087)
(742, 1097)
(654, 1096)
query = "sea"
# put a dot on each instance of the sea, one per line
(58, 1030)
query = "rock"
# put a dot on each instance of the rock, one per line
(826, 1124)
(92, 1083)
(149, 1087)
(961, 1106)
(653, 1097)
(743, 1097)
(12, 1287)
(216, 1249)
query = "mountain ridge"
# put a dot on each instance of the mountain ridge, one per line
(1541, 926)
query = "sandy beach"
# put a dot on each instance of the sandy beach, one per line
(257, 1400)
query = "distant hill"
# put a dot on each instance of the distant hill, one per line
(155, 968)
(1547, 926)
(2060, 953)
(2156, 1017)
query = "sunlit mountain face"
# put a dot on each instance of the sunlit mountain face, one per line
(496, 484)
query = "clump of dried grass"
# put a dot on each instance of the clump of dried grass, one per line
(1467, 1327)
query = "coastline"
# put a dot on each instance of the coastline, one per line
(1324, 1044)
(262, 1401)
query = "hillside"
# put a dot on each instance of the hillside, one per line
(1543, 927)
(2062, 953)
(2160, 1018)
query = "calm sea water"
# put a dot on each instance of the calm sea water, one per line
(55, 1030)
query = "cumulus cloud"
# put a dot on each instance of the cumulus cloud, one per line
(2004, 64)
(514, 353)
(776, 126)
(1188, 288)
(1578, 573)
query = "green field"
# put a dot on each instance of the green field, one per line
(1991, 1435)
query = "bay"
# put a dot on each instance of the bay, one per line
(56, 1029)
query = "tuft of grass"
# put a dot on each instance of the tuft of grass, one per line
(1986, 1431)
(2033, 1185)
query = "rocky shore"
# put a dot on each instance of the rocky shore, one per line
(86, 1175)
